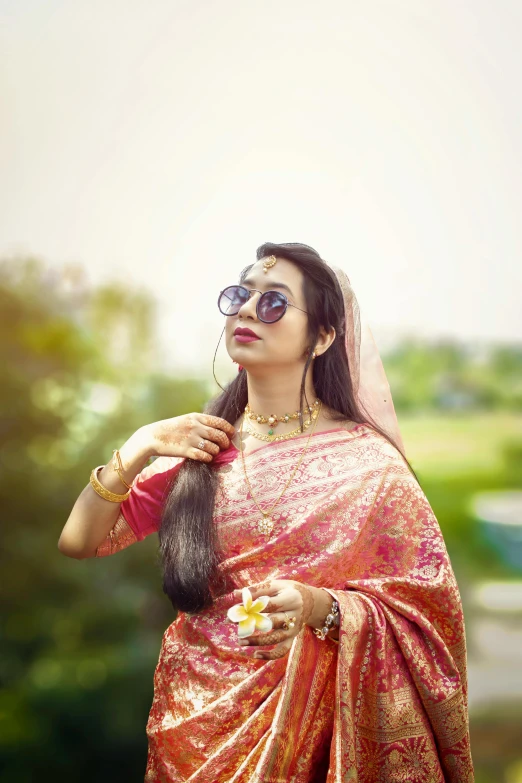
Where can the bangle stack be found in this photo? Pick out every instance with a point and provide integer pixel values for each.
(102, 491)
(331, 620)
(118, 467)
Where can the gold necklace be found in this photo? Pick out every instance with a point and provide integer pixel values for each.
(270, 438)
(266, 523)
(273, 419)
(285, 436)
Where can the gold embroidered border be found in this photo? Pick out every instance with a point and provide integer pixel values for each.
(450, 719)
(401, 715)
(272, 759)
(458, 650)
(119, 537)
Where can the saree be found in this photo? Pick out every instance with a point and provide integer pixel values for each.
(388, 702)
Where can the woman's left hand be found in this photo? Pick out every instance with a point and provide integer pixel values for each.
(298, 600)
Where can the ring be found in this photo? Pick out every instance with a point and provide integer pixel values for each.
(288, 623)
(201, 444)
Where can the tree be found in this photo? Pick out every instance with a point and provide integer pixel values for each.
(82, 637)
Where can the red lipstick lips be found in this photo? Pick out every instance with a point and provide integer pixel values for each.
(244, 335)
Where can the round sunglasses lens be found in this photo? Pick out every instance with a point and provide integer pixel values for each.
(232, 299)
(271, 306)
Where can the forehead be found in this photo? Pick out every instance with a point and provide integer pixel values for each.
(282, 271)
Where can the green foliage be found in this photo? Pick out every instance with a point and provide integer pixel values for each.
(448, 376)
(76, 669)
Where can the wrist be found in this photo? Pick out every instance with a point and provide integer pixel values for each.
(140, 446)
(322, 605)
(136, 452)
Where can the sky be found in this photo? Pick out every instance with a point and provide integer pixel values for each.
(159, 143)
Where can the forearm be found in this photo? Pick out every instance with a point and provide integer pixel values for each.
(92, 517)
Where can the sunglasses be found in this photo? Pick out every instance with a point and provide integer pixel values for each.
(270, 307)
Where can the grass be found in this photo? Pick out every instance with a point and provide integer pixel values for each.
(448, 445)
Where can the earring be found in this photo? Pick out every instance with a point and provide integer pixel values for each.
(314, 355)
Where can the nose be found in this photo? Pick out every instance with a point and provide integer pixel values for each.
(248, 310)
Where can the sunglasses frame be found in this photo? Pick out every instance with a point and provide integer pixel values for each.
(257, 291)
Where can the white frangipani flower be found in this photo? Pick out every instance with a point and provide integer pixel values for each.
(249, 614)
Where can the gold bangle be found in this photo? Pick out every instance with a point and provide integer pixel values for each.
(118, 467)
(102, 491)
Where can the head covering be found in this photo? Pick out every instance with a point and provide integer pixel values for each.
(369, 381)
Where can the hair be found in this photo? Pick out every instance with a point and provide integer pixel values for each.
(189, 548)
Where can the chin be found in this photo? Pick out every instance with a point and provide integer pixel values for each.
(242, 355)
(244, 361)
(248, 362)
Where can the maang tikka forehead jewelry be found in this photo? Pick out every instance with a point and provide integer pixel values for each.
(269, 263)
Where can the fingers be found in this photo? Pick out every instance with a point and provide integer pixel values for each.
(282, 599)
(194, 435)
(216, 436)
(278, 652)
(200, 455)
(270, 587)
(211, 448)
(264, 588)
(274, 605)
(280, 620)
(204, 449)
(283, 595)
(218, 423)
(263, 639)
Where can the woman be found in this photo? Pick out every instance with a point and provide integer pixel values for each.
(345, 658)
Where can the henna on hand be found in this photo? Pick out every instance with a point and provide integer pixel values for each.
(179, 436)
(259, 589)
(308, 602)
(218, 423)
(278, 652)
(272, 637)
(278, 607)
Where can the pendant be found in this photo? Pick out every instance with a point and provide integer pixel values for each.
(266, 524)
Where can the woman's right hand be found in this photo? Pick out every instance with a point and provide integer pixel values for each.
(180, 436)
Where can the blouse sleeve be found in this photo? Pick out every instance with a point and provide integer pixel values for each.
(140, 515)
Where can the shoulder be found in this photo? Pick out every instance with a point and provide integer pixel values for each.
(371, 450)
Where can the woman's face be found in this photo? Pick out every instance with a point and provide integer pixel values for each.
(282, 343)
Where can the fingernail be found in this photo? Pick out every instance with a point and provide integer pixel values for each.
(258, 655)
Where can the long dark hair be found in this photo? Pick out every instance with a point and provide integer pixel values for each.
(189, 549)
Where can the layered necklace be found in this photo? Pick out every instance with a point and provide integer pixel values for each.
(266, 523)
(272, 420)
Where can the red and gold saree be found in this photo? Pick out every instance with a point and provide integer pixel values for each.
(389, 701)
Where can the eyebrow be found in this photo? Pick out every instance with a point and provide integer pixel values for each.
(251, 282)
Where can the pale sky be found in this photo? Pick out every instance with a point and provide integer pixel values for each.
(160, 143)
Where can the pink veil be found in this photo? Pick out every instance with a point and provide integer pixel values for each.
(369, 380)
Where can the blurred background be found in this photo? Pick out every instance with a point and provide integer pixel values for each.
(146, 150)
